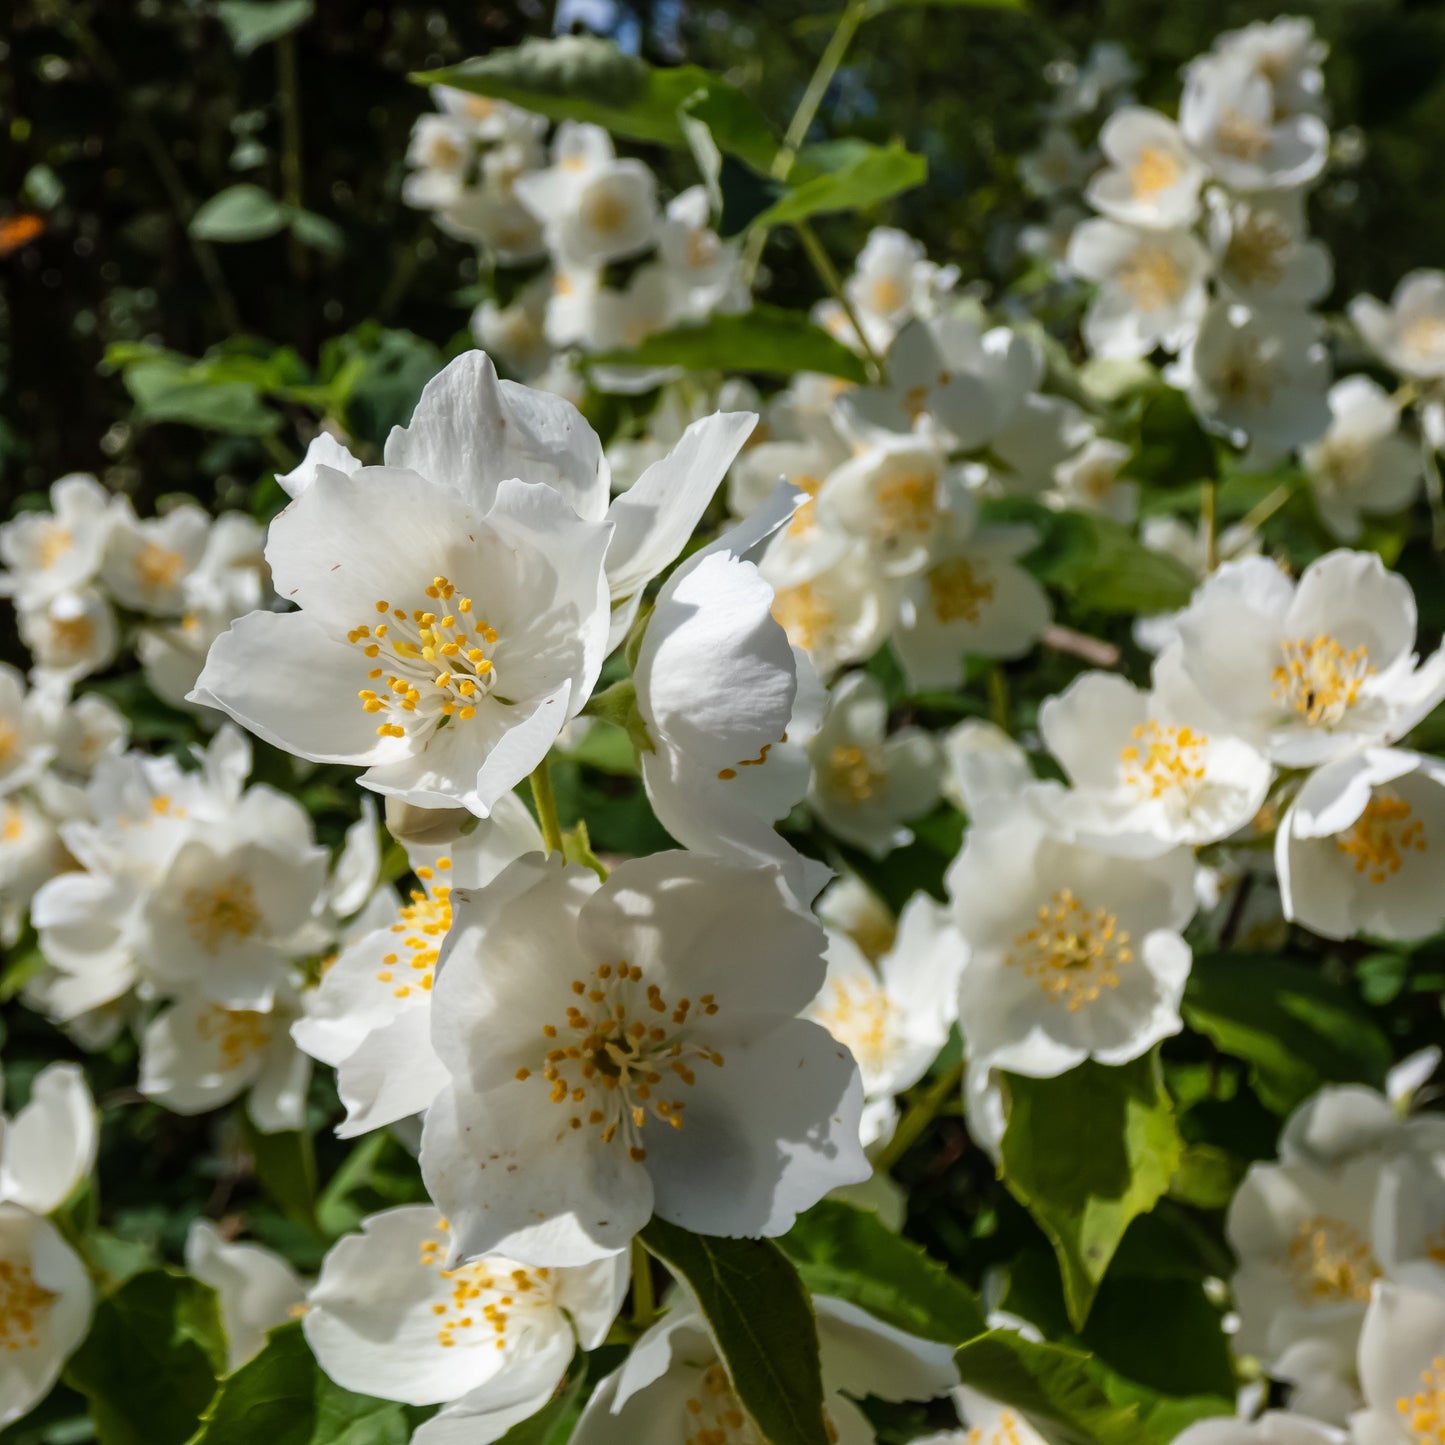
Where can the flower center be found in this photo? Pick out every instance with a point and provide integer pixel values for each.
(802, 614)
(1239, 137)
(907, 503)
(1072, 952)
(1151, 278)
(238, 1034)
(1341, 466)
(222, 914)
(621, 1060)
(24, 1306)
(805, 518)
(157, 567)
(481, 1296)
(1423, 336)
(957, 590)
(605, 212)
(701, 249)
(854, 773)
(424, 922)
(1329, 1262)
(1256, 250)
(860, 1016)
(887, 294)
(1154, 170)
(437, 668)
(9, 740)
(1319, 679)
(1423, 1413)
(445, 154)
(1162, 758)
(12, 830)
(55, 542)
(1381, 837)
(71, 635)
(1006, 1430)
(714, 1416)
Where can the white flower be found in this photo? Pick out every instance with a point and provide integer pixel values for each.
(30, 856)
(1275, 1427)
(440, 151)
(893, 281)
(489, 120)
(973, 599)
(1402, 1366)
(197, 1055)
(147, 562)
(46, 554)
(45, 1307)
(986, 768)
(26, 731)
(1263, 254)
(839, 615)
(848, 906)
(70, 635)
(894, 1018)
(1058, 164)
(48, 1148)
(1073, 953)
(1409, 333)
(1151, 286)
(371, 1017)
(255, 1288)
(516, 334)
(491, 1339)
(593, 207)
(1090, 481)
(1343, 1120)
(1353, 853)
(1306, 1240)
(986, 1423)
(1147, 774)
(729, 705)
(675, 1386)
(703, 269)
(1362, 464)
(1258, 377)
(1036, 439)
(866, 782)
(627, 1048)
(1287, 53)
(1152, 179)
(1310, 671)
(1227, 114)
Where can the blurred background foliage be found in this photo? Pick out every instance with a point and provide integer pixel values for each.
(124, 116)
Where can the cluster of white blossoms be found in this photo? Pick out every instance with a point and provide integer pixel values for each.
(570, 211)
(768, 603)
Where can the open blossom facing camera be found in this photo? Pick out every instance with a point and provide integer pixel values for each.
(1313, 670)
(490, 1339)
(627, 1048)
(1073, 955)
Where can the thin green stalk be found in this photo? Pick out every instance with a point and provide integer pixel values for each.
(1259, 514)
(644, 1298)
(998, 701)
(828, 274)
(920, 1114)
(546, 801)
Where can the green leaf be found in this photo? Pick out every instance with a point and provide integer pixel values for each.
(762, 1321)
(163, 391)
(766, 339)
(849, 1253)
(281, 1397)
(239, 213)
(1207, 1177)
(253, 23)
(149, 1364)
(583, 77)
(315, 231)
(1173, 449)
(849, 176)
(1294, 1027)
(1087, 1153)
(1072, 1398)
(286, 1167)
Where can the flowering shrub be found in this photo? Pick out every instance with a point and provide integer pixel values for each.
(854, 873)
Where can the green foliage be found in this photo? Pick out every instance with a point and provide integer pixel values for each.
(1173, 450)
(581, 77)
(281, 1397)
(1294, 1028)
(1087, 1153)
(254, 23)
(149, 1366)
(245, 212)
(762, 1321)
(846, 176)
(849, 1253)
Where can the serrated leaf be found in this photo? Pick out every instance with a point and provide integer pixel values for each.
(762, 1321)
(1086, 1153)
(282, 1397)
(1294, 1027)
(586, 78)
(849, 1253)
(850, 177)
(239, 213)
(766, 339)
(149, 1365)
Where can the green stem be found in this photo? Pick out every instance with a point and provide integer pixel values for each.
(998, 707)
(828, 274)
(546, 801)
(1206, 521)
(920, 1115)
(644, 1299)
(289, 92)
(1258, 515)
